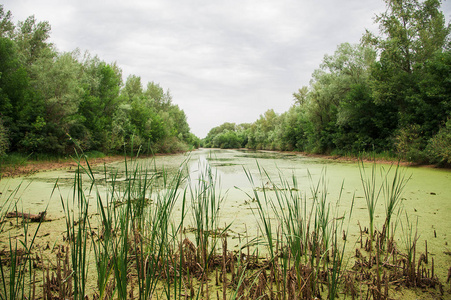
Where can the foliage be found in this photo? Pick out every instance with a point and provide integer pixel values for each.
(3, 140)
(390, 94)
(439, 147)
(51, 101)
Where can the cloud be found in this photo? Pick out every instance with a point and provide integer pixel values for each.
(222, 60)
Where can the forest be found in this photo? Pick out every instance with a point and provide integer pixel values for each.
(52, 102)
(390, 95)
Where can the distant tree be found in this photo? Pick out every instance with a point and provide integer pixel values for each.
(209, 139)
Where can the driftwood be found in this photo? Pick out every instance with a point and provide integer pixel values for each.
(33, 218)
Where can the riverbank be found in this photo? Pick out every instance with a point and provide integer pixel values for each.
(32, 167)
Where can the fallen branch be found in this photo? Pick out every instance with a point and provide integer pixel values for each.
(33, 218)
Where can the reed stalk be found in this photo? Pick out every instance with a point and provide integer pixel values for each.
(393, 190)
(372, 193)
(410, 239)
(77, 228)
(16, 278)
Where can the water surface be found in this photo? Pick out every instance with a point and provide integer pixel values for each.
(427, 196)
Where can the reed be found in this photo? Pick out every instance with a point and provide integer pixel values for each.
(410, 239)
(304, 242)
(77, 232)
(16, 273)
(372, 193)
(393, 190)
(142, 250)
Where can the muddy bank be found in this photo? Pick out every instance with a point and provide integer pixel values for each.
(32, 167)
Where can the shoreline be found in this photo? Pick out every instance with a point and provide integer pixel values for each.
(32, 167)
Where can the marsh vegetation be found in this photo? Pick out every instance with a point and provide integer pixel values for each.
(249, 230)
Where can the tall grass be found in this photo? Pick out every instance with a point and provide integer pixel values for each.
(410, 238)
(302, 237)
(372, 193)
(16, 275)
(393, 189)
(140, 248)
(77, 229)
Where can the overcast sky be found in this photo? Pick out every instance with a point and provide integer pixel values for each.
(223, 61)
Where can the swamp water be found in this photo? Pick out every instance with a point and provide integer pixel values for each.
(426, 200)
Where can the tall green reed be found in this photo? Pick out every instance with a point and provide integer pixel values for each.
(138, 233)
(16, 276)
(372, 193)
(206, 200)
(299, 234)
(409, 239)
(76, 211)
(393, 190)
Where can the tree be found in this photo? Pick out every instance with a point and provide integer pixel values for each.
(160, 100)
(412, 34)
(17, 109)
(330, 86)
(133, 88)
(6, 25)
(58, 84)
(102, 83)
(439, 147)
(31, 38)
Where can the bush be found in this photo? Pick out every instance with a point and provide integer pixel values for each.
(169, 145)
(4, 142)
(409, 143)
(439, 146)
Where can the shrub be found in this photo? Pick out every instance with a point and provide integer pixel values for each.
(439, 146)
(4, 142)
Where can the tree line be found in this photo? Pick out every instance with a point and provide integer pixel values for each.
(390, 93)
(53, 102)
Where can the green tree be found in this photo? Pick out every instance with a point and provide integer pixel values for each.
(102, 83)
(410, 33)
(330, 86)
(17, 108)
(439, 147)
(31, 37)
(58, 84)
(209, 139)
(161, 101)
(6, 25)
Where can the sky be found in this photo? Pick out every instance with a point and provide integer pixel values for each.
(222, 61)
